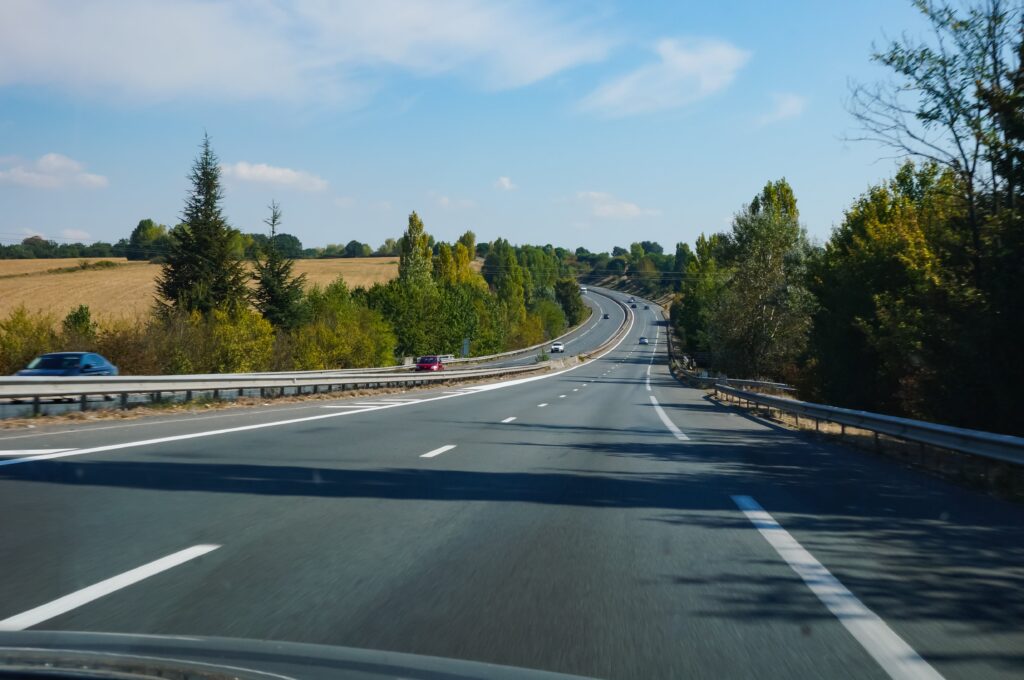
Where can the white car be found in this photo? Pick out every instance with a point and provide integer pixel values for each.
(557, 347)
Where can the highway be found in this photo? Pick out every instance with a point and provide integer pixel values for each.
(601, 521)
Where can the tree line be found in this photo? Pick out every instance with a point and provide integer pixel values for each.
(215, 313)
(914, 304)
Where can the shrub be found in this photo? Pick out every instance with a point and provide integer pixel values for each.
(78, 330)
(23, 336)
(239, 342)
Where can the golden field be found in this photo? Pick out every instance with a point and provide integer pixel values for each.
(128, 289)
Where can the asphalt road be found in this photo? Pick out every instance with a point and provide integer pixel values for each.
(573, 526)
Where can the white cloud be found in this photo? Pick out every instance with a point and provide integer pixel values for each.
(50, 171)
(687, 70)
(75, 234)
(784, 105)
(606, 206)
(269, 174)
(448, 203)
(316, 51)
(505, 184)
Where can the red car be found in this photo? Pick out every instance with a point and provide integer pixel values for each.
(429, 363)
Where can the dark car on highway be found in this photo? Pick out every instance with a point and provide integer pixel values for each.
(429, 363)
(68, 364)
(606, 316)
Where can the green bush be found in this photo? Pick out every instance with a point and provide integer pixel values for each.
(78, 330)
(239, 342)
(23, 336)
(551, 316)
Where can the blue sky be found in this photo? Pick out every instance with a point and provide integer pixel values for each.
(592, 124)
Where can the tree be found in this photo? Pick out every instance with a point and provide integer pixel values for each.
(757, 323)
(79, 329)
(356, 249)
(415, 263)
(619, 252)
(652, 247)
(148, 239)
(567, 292)
(444, 265)
(948, 103)
(389, 248)
(502, 271)
(279, 293)
(468, 239)
(288, 245)
(202, 272)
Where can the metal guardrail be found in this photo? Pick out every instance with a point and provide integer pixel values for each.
(1002, 447)
(779, 387)
(37, 389)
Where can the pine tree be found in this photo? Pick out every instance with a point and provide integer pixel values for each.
(278, 295)
(202, 272)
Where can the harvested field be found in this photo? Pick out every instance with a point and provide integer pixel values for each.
(127, 290)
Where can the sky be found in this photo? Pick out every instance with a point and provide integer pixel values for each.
(588, 124)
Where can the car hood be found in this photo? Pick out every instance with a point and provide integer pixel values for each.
(45, 654)
(46, 371)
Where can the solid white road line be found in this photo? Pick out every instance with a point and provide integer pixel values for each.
(368, 407)
(438, 451)
(647, 383)
(541, 405)
(668, 423)
(94, 592)
(30, 452)
(509, 419)
(879, 640)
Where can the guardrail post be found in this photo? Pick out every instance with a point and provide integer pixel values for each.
(124, 400)
(83, 401)
(36, 406)
(216, 394)
(241, 392)
(263, 393)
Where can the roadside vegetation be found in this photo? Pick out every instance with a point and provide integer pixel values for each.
(214, 312)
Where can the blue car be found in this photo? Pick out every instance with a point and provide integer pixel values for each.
(69, 364)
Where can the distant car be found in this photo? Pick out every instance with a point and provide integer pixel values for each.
(429, 363)
(633, 306)
(647, 306)
(583, 289)
(632, 299)
(445, 358)
(606, 316)
(557, 347)
(644, 340)
(66, 364)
